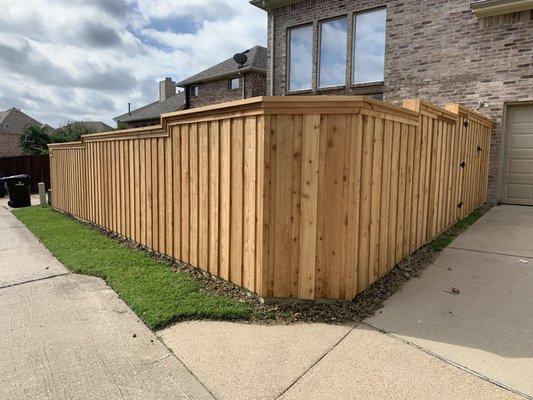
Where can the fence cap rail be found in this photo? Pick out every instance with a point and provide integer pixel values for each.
(464, 111)
(425, 107)
(410, 114)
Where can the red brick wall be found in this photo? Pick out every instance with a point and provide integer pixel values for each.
(9, 145)
(436, 50)
(215, 92)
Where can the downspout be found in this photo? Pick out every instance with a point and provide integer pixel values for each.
(241, 75)
(187, 98)
(271, 21)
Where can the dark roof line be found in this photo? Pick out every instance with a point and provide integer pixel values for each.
(154, 110)
(257, 61)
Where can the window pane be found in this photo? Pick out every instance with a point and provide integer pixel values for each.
(333, 52)
(234, 83)
(369, 53)
(301, 58)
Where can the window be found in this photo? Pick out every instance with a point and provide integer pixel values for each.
(234, 83)
(193, 91)
(333, 43)
(300, 58)
(369, 46)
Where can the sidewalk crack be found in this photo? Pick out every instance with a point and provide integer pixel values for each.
(34, 280)
(317, 361)
(490, 252)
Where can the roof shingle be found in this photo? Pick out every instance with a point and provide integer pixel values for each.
(257, 60)
(154, 110)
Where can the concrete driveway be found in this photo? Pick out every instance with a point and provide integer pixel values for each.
(488, 327)
(426, 343)
(67, 336)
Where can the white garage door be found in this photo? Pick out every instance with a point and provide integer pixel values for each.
(517, 179)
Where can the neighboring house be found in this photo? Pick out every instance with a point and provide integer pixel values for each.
(89, 126)
(441, 51)
(150, 114)
(13, 122)
(228, 80)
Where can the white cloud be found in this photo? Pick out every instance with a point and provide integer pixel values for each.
(78, 60)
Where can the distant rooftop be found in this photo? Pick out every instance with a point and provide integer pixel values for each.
(15, 121)
(257, 61)
(154, 110)
(93, 126)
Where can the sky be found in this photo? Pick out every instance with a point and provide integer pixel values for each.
(84, 60)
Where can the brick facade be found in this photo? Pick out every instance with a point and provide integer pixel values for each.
(436, 50)
(218, 91)
(10, 145)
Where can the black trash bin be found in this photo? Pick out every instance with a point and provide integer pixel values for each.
(2, 186)
(18, 187)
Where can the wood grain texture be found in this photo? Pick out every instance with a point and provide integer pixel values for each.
(290, 197)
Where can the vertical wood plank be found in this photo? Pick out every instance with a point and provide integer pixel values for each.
(214, 197)
(237, 148)
(176, 189)
(193, 194)
(309, 206)
(203, 196)
(366, 203)
(282, 228)
(250, 178)
(375, 214)
(225, 198)
(185, 195)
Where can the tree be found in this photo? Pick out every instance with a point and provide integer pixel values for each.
(70, 131)
(35, 140)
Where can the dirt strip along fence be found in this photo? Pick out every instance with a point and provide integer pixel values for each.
(303, 197)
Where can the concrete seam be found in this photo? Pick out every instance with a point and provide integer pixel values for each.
(172, 354)
(12, 227)
(316, 361)
(448, 361)
(489, 252)
(34, 280)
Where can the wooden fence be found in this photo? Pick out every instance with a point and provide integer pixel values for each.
(37, 167)
(307, 197)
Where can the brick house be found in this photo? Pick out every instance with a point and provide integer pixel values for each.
(439, 50)
(225, 81)
(150, 114)
(13, 122)
(228, 80)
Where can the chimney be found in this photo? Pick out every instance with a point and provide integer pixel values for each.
(167, 89)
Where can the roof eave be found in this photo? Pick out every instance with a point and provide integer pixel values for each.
(490, 8)
(268, 5)
(221, 76)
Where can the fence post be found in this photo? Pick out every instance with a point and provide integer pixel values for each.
(42, 194)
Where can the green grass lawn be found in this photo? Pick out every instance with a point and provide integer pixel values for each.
(156, 293)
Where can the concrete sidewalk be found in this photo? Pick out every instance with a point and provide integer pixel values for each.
(426, 343)
(67, 336)
(487, 327)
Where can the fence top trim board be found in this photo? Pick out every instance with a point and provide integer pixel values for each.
(409, 114)
(463, 111)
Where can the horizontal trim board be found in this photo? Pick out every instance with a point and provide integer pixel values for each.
(490, 8)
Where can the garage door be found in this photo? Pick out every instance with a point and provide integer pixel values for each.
(517, 179)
